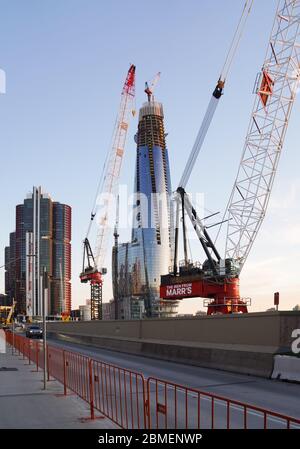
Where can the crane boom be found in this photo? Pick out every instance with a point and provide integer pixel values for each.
(217, 278)
(114, 161)
(93, 262)
(216, 95)
(276, 92)
(210, 112)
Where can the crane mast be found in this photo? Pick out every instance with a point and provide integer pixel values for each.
(276, 91)
(93, 262)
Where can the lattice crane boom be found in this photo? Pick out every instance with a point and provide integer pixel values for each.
(114, 162)
(93, 262)
(277, 88)
(217, 279)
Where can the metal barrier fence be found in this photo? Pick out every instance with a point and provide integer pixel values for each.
(119, 393)
(130, 401)
(173, 406)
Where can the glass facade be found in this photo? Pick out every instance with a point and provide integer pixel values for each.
(50, 222)
(141, 261)
(61, 278)
(10, 268)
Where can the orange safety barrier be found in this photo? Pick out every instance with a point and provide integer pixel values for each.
(173, 406)
(130, 401)
(119, 394)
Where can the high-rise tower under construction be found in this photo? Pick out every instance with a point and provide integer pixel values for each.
(137, 265)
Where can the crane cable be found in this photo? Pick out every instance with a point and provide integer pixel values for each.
(236, 39)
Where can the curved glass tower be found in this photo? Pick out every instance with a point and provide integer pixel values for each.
(141, 262)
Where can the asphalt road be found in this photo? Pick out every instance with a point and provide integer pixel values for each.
(277, 396)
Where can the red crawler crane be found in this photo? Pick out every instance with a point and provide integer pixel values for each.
(218, 278)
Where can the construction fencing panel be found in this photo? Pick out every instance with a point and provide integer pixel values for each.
(76, 374)
(132, 402)
(119, 394)
(55, 364)
(173, 406)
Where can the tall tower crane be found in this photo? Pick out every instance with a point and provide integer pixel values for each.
(94, 262)
(218, 278)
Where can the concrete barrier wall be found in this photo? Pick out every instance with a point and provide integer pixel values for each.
(259, 329)
(241, 343)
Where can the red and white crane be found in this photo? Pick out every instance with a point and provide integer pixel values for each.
(218, 278)
(94, 261)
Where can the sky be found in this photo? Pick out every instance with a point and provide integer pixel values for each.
(65, 62)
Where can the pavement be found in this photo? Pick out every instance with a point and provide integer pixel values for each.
(274, 395)
(25, 405)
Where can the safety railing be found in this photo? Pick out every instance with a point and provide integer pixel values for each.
(132, 402)
(173, 406)
(119, 394)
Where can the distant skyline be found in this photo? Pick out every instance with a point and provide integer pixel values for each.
(65, 63)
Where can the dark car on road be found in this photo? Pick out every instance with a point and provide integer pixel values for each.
(34, 332)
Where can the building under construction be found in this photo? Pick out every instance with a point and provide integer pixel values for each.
(137, 265)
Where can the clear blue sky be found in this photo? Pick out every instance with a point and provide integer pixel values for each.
(65, 62)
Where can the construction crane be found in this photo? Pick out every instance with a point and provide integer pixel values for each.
(94, 262)
(206, 122)
(150, 89)
(216, 95)
(8, 312)
(218, 278)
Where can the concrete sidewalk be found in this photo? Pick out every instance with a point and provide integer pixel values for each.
(24, 404)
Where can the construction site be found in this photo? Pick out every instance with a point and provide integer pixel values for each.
(114, 354)
(149, 277)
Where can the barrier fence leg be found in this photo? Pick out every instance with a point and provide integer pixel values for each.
(91, 390)
(147, 405)
(37, 355)
(29, 352)
(48, 364)
(12, 344)
(65, 373)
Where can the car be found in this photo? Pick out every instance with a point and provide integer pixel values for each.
(34, 331)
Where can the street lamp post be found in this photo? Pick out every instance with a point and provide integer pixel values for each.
(44, 301)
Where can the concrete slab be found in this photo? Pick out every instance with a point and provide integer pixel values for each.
(25, 405)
